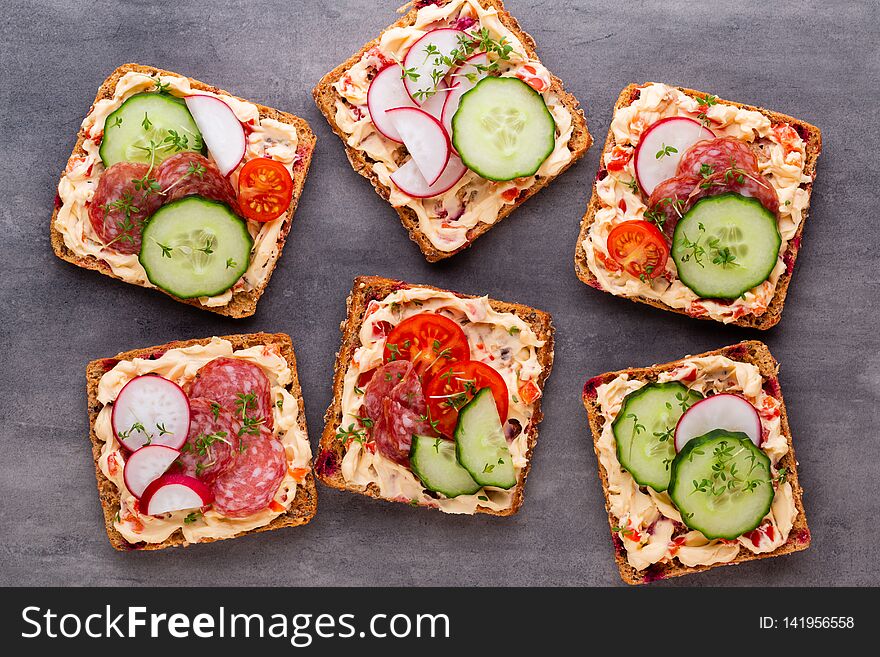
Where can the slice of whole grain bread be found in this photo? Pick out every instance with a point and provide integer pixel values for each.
(751, 351)
(325, 98)
(244, 302)
(809, 133)
(367, 288)
(304, 505)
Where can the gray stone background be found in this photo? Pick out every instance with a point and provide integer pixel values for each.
(817, 61)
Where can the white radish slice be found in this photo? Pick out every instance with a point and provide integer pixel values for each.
(434, 105)
(387, 91)
(174, 492)
(150, 409)
(461, 84)
(220, 129)
(669, 139)
(146, 465)
(725, 411)
(424, 138)
(425, 69)
(411, 182)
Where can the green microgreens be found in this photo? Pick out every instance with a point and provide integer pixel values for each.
(192, 517)
(665, 150)
(146, 123)
(352, 433)
(726, 478)
(161, 87)
(166, 250)
(215, 410)
(116, 122)
(207, 249)
(704, 104)
(230, 263)
(513, 330)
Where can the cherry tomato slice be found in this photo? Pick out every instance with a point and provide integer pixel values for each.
(639, 247)
(447, 392)
(429, 341)
(264, 189)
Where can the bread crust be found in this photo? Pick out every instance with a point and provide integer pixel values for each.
(304, 505)
(813, 138)
(325, 98)
(750, 351)
(367, 288)
(244, 302)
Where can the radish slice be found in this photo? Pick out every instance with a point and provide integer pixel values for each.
(220, 129)
(146, 465)
(461, 84)
(678, 133)
(150, 409)
(725, 411)
(425, 69)
(411, 182)
(175, 492)
(387, 91)
(424, 138)
(435, 104)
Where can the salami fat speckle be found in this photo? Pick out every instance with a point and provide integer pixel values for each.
(119, 209)
(190, 173)
(208, 450)
(239, 386)
(250, 483)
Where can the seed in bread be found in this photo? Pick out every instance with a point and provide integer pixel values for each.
(447, 223)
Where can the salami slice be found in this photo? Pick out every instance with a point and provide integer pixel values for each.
(720, 153)
(385, 379)
(252, 480)
(669, 200)
(208, 451)
(189, 173)
(239, 386)
(120, 207)
(750, 184)
(393, 432)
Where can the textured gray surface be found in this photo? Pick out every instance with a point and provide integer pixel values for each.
(817, 62)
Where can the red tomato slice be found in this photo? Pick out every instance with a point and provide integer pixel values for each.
(429, 341)
(639, 247)
(447, 392)
(264, 189)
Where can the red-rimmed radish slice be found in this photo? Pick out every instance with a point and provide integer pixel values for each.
(461, 84)
(387, 91)
(220, 129)
(150, 409)
(424, 68)
(146, 465)
(725, 411)
(411, 182)
(661, 147)
(424, 138)
(174, 492)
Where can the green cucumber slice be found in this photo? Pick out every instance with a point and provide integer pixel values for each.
(480, 444)
(502, 129)
(725, 246)
(433, 461)
(148, 128)
(721, 484)
(194, 247)
(644, 431)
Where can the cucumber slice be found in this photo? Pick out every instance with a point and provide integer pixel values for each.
(721, 484)
(502, 129)
(725, 245)
(148, 128)
(194, 247)
(644, 431)
(433, 461)
(480, 445)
